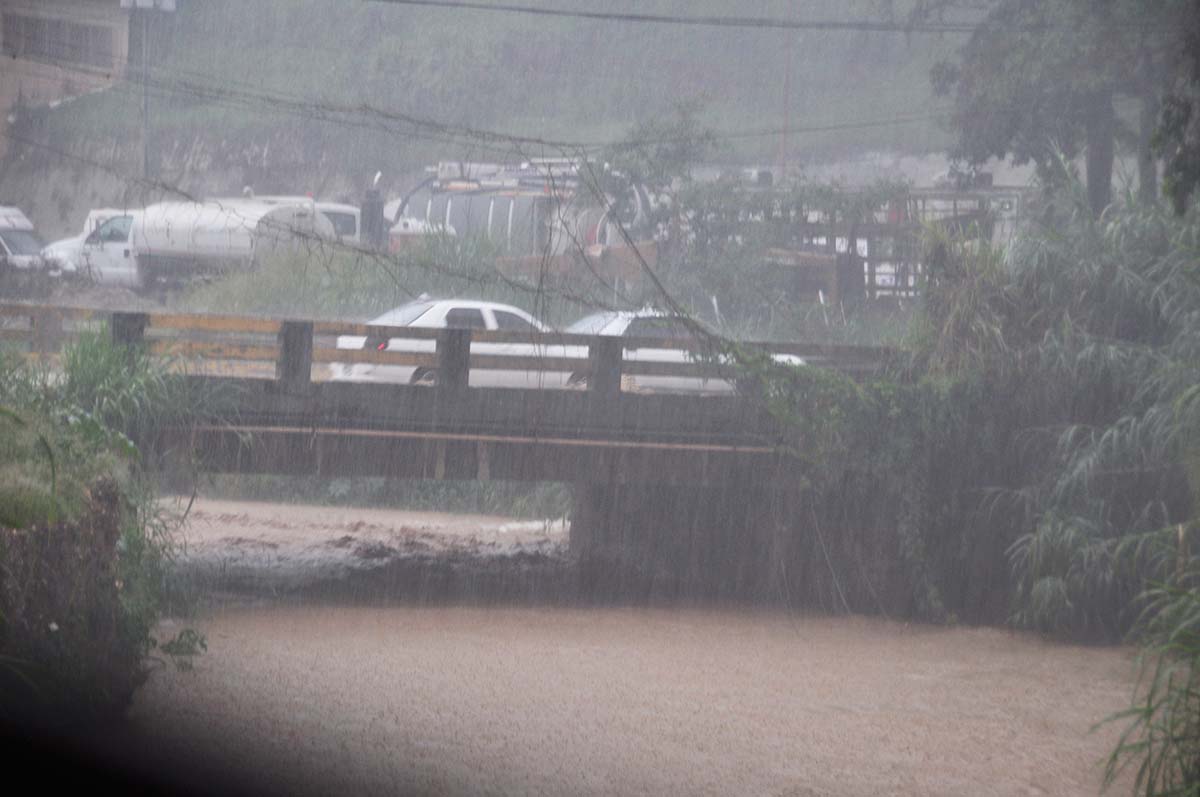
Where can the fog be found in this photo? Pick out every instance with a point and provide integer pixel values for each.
(426, 396)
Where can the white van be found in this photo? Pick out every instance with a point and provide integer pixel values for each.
(20, 246)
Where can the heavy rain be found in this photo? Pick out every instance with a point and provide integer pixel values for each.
(633, 397)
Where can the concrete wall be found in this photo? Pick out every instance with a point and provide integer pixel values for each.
(56, 49)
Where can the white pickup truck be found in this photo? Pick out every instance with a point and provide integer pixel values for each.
(171, 241)
(66, 255)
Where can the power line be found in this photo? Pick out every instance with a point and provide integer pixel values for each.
(768, 23)
(366, 116)
(752, 23)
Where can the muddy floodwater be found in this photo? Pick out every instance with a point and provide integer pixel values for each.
(432, 697)
(452, 700)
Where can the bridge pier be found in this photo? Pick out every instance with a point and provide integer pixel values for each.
(723, 541)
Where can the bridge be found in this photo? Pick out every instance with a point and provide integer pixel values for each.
(280, 411)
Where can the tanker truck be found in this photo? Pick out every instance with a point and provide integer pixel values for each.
(172, 243)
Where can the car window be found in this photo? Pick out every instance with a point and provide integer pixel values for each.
(465, 318)
(667, 328)
(511, 322)
(21, 242)
(344, 224)
(114, 230)
(591, 324)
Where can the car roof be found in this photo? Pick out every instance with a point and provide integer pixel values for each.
(603, 319)
(475, 304)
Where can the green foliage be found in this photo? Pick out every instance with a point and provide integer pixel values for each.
(1177, 138)
(1161, 738)
(184, 647)
(52, 450)
(1038, 78)
(964, 306)
(119, 391)
(566, 79)
(1087, 332)
(1043, 415)
(75, 491)
(346, 284)
(716, 263)
(656, 153)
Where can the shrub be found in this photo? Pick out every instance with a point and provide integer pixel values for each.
(84, 545)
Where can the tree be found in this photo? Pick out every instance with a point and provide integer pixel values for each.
(1039, 78)
(1177, 138)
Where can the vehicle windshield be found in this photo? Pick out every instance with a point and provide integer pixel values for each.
(344, 224)
(591, 324)
(665, 327)
(115, 230)
(20, 242)
(403, 316)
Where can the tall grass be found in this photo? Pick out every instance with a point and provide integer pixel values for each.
(1088, 333)
(339, 282)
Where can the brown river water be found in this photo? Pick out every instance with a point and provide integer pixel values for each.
(301, 696)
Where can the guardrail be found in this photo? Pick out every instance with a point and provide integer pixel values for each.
(286, 350)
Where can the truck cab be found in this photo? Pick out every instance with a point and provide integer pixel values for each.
(66, 255)
(108, 254)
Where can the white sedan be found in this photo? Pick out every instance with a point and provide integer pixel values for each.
(448, 313)
(458, 313)
(651, 324)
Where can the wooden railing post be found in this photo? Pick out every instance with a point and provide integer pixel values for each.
(293, 369)
(604, 358)
(454, 360)
(128, 329)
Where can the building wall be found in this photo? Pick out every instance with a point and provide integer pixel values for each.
(56, 49)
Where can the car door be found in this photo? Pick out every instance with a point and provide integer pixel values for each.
(439, 316)
(524, 374)
(108, 253)
(665, 328)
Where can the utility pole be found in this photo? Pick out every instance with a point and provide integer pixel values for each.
(139, 11)
(787, 105)
(145, 15)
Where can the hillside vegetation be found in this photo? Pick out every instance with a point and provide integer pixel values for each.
(242, 68)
